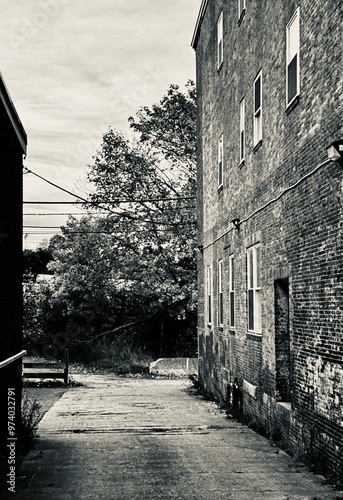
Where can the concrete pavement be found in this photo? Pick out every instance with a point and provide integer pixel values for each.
(141, 439)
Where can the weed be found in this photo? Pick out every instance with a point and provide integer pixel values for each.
(31, 414)
(117, 357)
(74, 383)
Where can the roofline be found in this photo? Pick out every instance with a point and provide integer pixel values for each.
(201, 15)
(6, 100)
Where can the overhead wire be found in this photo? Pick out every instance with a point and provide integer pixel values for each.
(270, 202)
(70, 231)
(81, 200)
(63, 213)
(84, 200)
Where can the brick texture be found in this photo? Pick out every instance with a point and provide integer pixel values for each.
(291, 374)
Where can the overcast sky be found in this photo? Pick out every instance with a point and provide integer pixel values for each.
(75, 67)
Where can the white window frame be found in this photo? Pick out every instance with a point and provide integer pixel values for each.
(220, 40)
(220, 161)
(232, 291)
(241, 8)
(293, 54)
(254, 289)
(220, 293)
(242, 130)
(209, 295)
(258, 112)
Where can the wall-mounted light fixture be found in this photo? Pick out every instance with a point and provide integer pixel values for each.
(236, 222)
(335, 150)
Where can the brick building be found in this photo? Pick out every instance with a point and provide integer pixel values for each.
(269, 88)
(12, 148)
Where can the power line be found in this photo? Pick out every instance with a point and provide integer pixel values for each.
(80, 199)
(70, 231)
(132, 200)
(54, 202)
(270, 202)
(64, 213)
(153, 222)
(84, 232)
(53, 184)
(109, 202)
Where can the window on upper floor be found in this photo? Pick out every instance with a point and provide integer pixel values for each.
(241, 10)
(254, 289)
(209, 294)
(258, 109)
(220, 293)
(292, 56)
(220, 49)
(242, 131)
(232, 291)
(220, 161)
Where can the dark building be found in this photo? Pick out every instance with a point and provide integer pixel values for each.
(13, 142)
(269, 86)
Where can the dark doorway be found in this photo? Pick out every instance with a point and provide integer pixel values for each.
(282, 341)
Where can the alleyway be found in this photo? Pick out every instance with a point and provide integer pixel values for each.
(132, 439)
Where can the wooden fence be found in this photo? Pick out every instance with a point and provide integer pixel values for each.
(48, 370)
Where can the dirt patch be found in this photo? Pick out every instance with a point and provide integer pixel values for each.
(46, 397)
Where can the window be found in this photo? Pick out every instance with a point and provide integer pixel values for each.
(254, 289)
(220, 294)
(258, 109)
(242, 131)
(220, 52)
(292, 70)
(209, 293)
(232, 291)
(220, 161)
(241, 10)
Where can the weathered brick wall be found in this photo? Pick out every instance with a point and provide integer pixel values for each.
(300, 235)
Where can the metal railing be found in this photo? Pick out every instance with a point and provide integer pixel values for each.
(10, 360)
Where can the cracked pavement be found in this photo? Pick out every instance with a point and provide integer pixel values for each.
(145, 439)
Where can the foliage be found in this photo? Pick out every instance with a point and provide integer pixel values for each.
(119, 356)
(35, 262)
(136, 259)
(169, 128)
(37, 315)
(148, 188)
(30, 416)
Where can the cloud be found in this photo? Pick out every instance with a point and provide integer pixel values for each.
(82, 66)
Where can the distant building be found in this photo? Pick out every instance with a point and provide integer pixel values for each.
(269, 87)
(44, 278)
(13, 142)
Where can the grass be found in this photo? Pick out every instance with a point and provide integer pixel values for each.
(31, 414)
(118, 358)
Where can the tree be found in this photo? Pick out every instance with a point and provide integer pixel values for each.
(138, 255)
(169, 128)
(148, 187)
(35, 262)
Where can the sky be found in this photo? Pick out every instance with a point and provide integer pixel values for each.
(76, 67)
